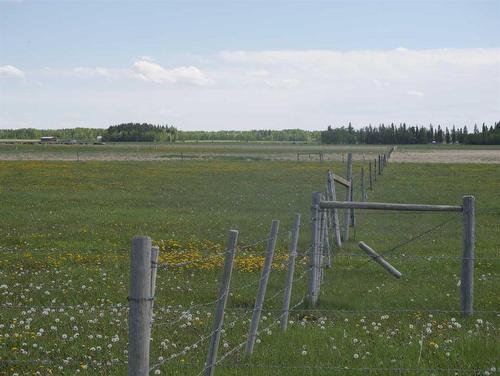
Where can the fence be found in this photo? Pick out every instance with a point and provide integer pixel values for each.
(142, 293)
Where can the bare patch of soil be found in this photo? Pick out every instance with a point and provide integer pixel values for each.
(446, 156)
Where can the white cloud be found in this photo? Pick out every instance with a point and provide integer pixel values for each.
(9, 71)
(415, 93)
(152, 72)
(86, 72)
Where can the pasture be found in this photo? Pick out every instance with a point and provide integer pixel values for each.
(66, 227)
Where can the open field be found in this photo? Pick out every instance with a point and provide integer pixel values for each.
(247, 151)
(181, 150)
(65, 230)
(448, 155)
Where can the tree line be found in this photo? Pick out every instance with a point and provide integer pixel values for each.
(382, 134)
(403, 134)
(291, 135)
(140, 133)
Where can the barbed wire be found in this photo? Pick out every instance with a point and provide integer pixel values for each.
(281, 291)
(65, 361)
(351, 369)
(240, 345)
(183, 351)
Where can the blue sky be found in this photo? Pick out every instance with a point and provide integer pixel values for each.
(248, 64)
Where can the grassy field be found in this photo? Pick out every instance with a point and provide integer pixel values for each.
(65, 231)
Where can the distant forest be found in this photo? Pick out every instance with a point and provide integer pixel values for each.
(404, 134)
(382, 134)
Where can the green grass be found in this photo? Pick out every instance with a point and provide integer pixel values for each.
(65, 229)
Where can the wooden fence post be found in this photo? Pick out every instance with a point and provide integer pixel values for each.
(334, 217)
(326, 240)
(154, 268)
(351, 198)
(467, 278)
(266, 271)
(379, 165)
(363, 191)
(370, 173)
(375, 170)
(221, 305)
(289, 274)
(314, 251)
(347, 213)
(140, 300)
(379, 259)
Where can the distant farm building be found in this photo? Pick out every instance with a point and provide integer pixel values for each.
(48, 139)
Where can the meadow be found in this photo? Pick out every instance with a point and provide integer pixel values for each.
(66, 227)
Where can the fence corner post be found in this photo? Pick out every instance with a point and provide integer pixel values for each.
(468, 238)
(314, 252)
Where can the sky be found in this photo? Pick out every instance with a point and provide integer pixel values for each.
(240, 65)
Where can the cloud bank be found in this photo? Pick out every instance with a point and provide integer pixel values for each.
(308, 89)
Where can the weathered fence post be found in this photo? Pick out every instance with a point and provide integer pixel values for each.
(154, 268)
(326, 240)
(261, 293)
(379, 165)
(347, 213)
(351, 188)
(312, 294)
(289, 274)
(379, 259)
(375, 169)
(363, 191)
(140, 300)
(221, 305)
(467, 278)
(334, 217)
(370, 173)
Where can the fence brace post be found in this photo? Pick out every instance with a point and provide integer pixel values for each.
(347, 213)
(334, 216)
